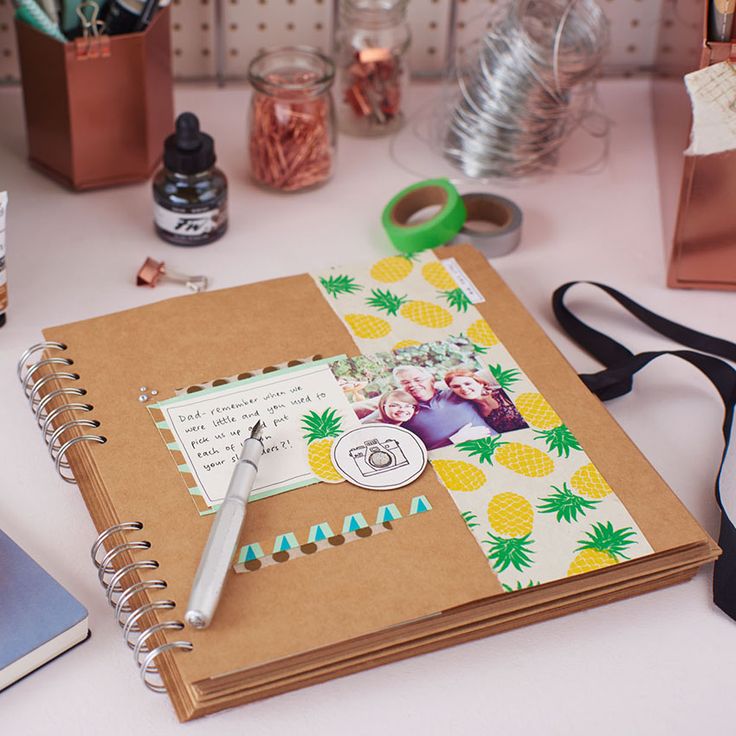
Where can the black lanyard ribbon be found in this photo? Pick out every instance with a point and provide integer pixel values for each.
(617, 379)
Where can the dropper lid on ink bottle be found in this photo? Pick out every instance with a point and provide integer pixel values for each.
(189, 151)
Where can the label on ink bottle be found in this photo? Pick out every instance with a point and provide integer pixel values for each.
(191, 227)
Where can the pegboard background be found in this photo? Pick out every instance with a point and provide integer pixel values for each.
(214, 38)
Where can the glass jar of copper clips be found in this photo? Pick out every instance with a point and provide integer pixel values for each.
(291, 138)
(372, 42)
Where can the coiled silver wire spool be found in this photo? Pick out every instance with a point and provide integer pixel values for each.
(530, 86)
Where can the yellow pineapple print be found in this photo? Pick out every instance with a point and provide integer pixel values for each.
(516, 456)
(539, 414)
(426, 314)
(320, 461)
(588, 481)
(457, 475)
(589, 560)
(406, 344)
(603, 546)
(368, 326)
(481, 334)
(437, 275)
(321, 430)
(510, 514)
(525, 460)
(536, 411)
(392, 269)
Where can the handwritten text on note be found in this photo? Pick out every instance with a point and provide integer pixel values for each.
(211, 426)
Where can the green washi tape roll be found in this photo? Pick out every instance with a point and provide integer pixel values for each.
(439, 229)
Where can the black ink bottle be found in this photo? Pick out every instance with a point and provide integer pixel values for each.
(189, 192)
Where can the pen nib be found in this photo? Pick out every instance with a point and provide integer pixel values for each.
(257, 431)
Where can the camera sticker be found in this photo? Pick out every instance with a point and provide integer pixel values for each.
(379, 456)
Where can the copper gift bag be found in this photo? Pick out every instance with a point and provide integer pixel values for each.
(97, 109)
(703, 254)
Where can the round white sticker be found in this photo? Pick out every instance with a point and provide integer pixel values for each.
(379, 456)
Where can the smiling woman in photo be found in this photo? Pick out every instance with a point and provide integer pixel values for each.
(489, 398)
(397, 407)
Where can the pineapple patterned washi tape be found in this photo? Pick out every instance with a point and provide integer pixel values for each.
(537, 516)
(532, 498)
(399, 301)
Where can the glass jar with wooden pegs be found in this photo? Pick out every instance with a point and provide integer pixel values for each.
(372, 42)
(291, 138)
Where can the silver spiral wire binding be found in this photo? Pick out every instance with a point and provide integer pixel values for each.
(51, 395)
(48, 428)
(102, 537)
(33, 397)
(113, 586)
(106, 567)
(122, 605)
(52, 441)
(39, 364)
(102, 560)
(131, 625)
(147, 665)
(70, 443)
(140, 645)
(51, 345)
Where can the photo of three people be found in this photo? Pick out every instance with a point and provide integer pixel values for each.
(437, 391)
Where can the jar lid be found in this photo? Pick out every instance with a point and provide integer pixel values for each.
(189, 150)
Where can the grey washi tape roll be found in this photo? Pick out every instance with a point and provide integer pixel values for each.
(493, 224)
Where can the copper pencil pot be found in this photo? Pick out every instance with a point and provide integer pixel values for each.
(291, 127)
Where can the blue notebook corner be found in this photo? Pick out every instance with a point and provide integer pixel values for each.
(39, 619)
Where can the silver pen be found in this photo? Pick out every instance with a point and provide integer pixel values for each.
(223, 538)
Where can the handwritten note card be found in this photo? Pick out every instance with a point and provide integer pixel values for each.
(209, 428)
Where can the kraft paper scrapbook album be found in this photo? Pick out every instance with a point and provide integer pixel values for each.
(534, 502)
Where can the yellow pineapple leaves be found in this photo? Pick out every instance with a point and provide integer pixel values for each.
(510, 514)
(426, 314)
(457, 475)
(367, 326)
(392, 269)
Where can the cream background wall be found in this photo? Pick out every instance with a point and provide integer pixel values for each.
(646, 35)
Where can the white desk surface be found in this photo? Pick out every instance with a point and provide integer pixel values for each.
(656, 664)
